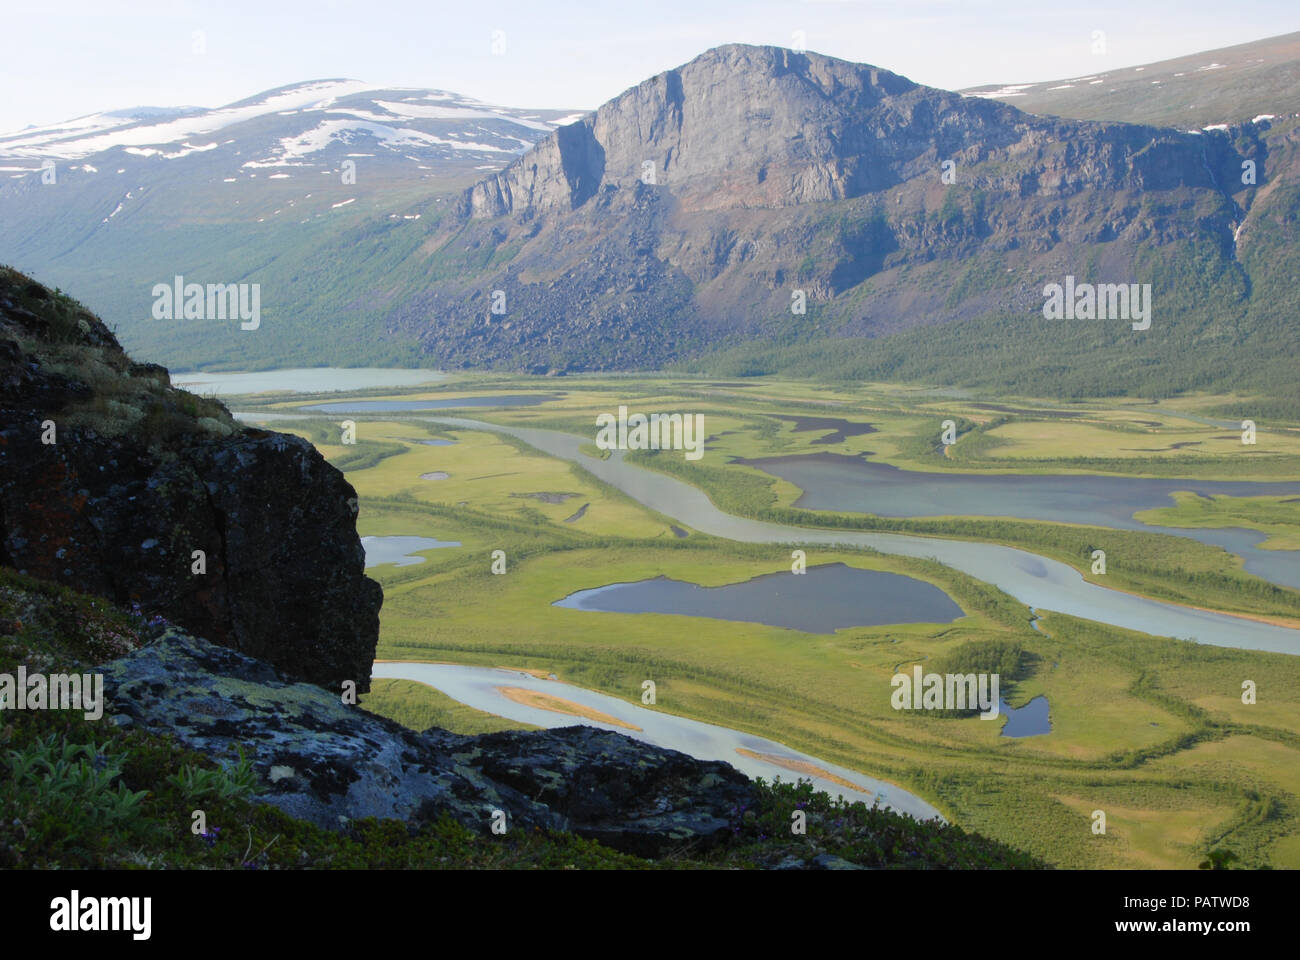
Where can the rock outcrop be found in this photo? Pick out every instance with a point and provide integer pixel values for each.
(115, 483)
(321, 760)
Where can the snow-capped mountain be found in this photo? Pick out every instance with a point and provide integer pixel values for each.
(302, 125)
(320, 191)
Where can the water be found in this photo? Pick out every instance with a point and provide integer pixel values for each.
(1029, 721)
(306, 380)
(1028, 577)
(479, 687)
(395, 406)
(839, 430)
(265, 416)
(824, 599)
(400, 551)
(849, 484)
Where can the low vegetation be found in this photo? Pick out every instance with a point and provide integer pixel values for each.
(1140, 725)
(78, 794)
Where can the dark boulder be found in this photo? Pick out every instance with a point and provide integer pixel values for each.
(623, 792)
(115, 483)
(322, 760)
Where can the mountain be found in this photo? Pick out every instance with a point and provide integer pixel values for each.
(779, 174)
(685, 221)
(296, 130)
(1231, 85)
(259, 187)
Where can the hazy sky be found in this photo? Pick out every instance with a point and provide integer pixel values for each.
(78, 57)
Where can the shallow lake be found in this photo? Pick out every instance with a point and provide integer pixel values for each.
(824, 599)
(480, 687)
(850, 484)
(304, 380)
(1032, 579)
(400, 551)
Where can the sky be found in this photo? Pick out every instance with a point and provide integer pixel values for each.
(78, 57)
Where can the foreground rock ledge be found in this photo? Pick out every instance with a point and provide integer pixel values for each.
(111, 480)
(321, 760)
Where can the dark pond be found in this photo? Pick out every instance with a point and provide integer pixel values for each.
(839, 429)
(825, 599)
(851, 484)
(1029, 721)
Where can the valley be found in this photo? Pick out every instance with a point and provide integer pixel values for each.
(1137, 718)
(771, 461)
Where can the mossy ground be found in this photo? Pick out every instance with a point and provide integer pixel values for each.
(53, 629)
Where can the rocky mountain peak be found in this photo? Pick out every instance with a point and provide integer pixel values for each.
(738, 126)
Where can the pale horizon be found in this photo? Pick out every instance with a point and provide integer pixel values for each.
(564, 56)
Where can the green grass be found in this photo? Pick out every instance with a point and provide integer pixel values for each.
(1132, 716)
(829, 695)
(419, 706)
(1279, 517)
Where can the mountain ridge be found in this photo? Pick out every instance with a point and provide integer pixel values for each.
(1226, 85)
(679, 222)
(775, 175)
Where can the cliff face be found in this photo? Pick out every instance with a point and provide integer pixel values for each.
(683, 214)
(736, 127)
(117, 484)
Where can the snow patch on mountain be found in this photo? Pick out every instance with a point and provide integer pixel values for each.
(69, 143)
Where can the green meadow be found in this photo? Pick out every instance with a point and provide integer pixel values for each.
(1151, 731)
(1279, 517)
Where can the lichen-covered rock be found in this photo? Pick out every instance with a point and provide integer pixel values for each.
(325, 761)
(116, 484)
(623, 792)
